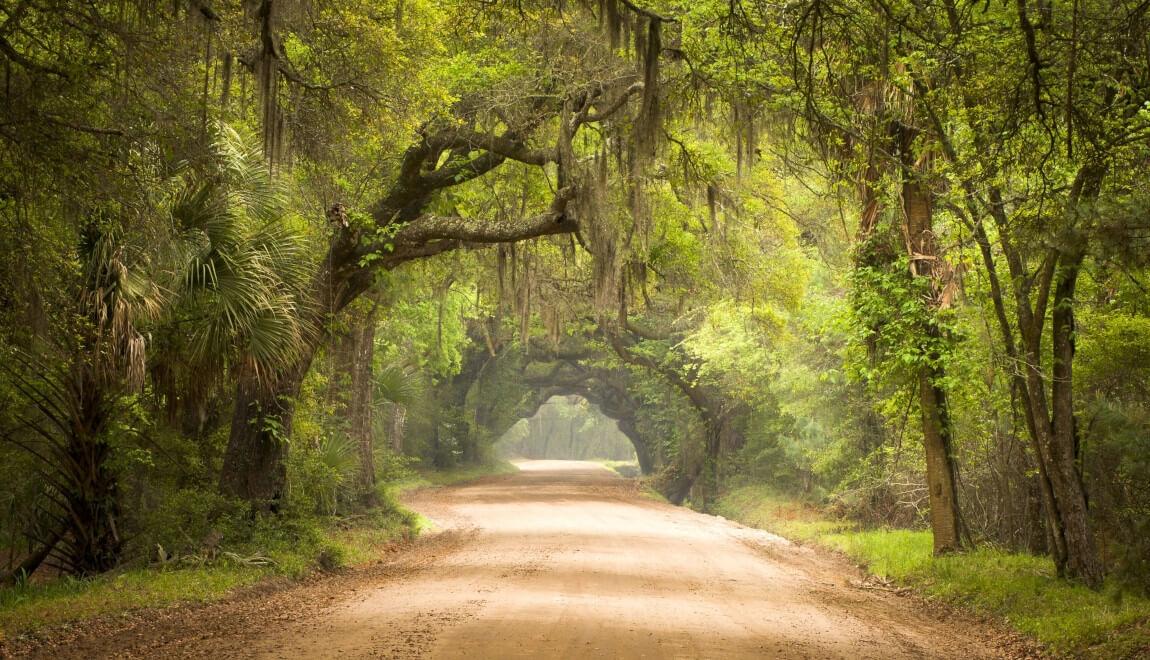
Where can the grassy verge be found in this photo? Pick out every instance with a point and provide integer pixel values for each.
(288, 548)
(625, 469)
(426, 478)
(1022, 589)
(429, 478)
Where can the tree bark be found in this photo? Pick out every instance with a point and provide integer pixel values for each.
(1082, 560)
(945, 515)
(945, 519)
(254, 468)
(361, 402)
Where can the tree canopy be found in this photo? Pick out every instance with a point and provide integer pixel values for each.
(889, 256)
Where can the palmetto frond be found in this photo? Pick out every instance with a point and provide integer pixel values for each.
(399, 384)
(118, 297)
(238, 268)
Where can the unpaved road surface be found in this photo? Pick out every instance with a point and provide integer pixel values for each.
(565, 560)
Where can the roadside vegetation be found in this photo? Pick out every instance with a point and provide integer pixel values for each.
(276, 552)
(1019, 588)
(289, 551)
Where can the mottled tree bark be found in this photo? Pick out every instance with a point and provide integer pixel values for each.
(254, 468)
(941, 481)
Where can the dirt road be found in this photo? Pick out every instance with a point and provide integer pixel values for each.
(566, 560)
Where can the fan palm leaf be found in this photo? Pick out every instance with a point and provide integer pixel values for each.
(238, 268)
(399, 384)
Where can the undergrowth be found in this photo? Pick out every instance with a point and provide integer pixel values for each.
(290, 548)
(1068, 618)
(412, 479)
(625, 469)
(244, 553)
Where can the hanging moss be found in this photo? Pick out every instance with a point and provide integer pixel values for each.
(626, 30)
(613, 23)
(641, 41)
(226, 75)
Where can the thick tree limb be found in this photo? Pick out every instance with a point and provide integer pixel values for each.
(506, 145)
(30, 563)
(431, 235)
(643, 11)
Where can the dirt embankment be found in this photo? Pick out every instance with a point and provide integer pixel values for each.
(563, 559)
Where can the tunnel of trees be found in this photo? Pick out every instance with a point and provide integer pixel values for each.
(260, 255)
(568, 427)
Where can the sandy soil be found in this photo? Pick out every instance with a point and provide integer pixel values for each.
(563, 559)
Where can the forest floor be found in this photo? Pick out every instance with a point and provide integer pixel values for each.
(563, 559)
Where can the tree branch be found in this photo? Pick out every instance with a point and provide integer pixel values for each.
(431, 235)
(506, 145)
(612, 107)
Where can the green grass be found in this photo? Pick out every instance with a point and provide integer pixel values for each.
(466, 473)
(28, 608)
(278, 548)
(430, 478)
(427, 478)
(295, 547)
(1022, 589)
(625, 469)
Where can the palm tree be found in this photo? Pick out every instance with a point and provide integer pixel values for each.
(215, 274)
(236, 269)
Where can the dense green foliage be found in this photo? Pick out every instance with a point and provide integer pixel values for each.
(263, 257)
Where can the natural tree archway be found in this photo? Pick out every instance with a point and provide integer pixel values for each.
(816, 245)
(566, 427)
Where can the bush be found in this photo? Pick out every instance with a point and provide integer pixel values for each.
(191, 522)
(1118, 469)
(322, 476)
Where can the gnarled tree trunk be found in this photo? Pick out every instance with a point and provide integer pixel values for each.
(254, 468)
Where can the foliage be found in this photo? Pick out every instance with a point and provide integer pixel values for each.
(1021, 588)
(293, 550)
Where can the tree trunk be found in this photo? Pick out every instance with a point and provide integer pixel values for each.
(253, 462)
(1052, 422)
(945, 523)
(945, 516)
(642, 451)
(1020, 390)
(453, 398)
(254, 468)
(1082, 560)
(362, 406)
(353, 387)
(88, 490)
(398, 423)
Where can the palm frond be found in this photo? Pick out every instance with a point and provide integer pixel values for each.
(399, 384)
